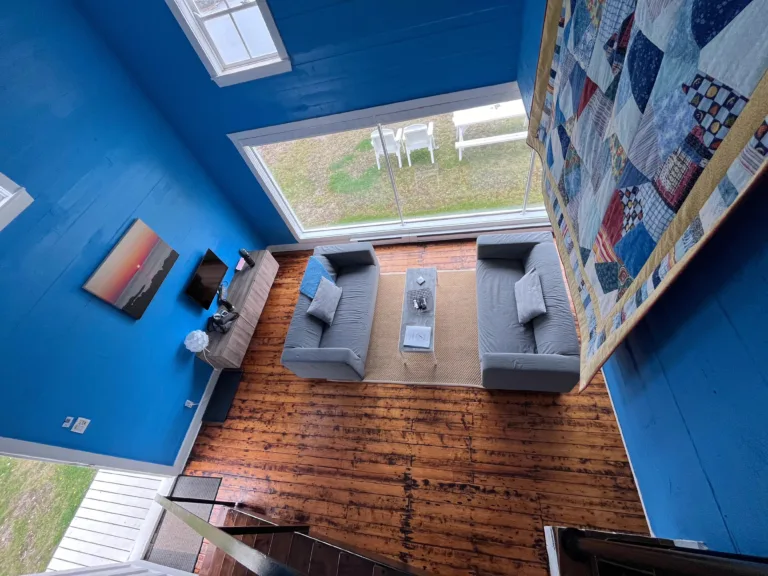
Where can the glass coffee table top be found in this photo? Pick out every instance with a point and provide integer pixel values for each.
(412, 316)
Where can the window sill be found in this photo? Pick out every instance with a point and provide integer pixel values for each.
(14, 206)
(252, 72)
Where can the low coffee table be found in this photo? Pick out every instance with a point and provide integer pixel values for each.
(414, 317)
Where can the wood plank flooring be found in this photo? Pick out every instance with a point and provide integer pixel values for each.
(450, 480)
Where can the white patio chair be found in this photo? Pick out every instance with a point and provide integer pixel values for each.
(419, 137)
(392, 142)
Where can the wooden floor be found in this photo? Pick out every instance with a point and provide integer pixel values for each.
(451, 480)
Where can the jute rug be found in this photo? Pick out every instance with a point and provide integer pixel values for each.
(458, 363)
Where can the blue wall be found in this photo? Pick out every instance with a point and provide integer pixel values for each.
(346, 55)
(690, 387)
(530, 43)
(95, 155)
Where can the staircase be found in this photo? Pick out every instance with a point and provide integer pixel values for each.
(304, 554)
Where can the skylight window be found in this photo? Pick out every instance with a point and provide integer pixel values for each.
(237, 40)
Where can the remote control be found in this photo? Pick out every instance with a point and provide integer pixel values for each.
(247, 257)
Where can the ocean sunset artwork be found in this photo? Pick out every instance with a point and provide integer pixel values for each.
(133, 271)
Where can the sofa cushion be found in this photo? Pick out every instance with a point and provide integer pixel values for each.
(555, 331)
(530, 300)
(344, 255)
(512, 246)
(498, 327)
(316, 271)
(325, 302)
(352, 324)
(305, 330)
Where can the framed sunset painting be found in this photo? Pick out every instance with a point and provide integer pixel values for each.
(132, 273)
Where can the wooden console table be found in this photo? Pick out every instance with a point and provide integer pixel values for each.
(248, 292)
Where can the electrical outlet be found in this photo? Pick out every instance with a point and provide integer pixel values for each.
(67, 422)
(80, 425)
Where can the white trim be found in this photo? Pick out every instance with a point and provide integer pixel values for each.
(194, 426)
(13, 200)
(120, 569)
(389, 113)
(532, 224)
(549, 539)
(46, 452)
(629, 458)
(149, 526)
(248, 70)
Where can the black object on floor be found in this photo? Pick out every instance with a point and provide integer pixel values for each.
(223, 395)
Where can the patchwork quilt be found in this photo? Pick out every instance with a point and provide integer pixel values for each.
(651, 120)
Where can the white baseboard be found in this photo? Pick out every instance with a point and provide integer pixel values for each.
(46, 452)
(629, 457)
(194, 426)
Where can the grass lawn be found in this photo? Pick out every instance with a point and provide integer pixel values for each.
(37, 502)
(333, 180)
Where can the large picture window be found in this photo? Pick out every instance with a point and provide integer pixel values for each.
(460, 162)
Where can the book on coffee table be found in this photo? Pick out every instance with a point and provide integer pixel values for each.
(418, 336)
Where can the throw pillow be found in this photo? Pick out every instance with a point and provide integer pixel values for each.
(325, 302)
(529, 297)
(314, 273)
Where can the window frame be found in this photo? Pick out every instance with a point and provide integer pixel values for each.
(14, 199)
(228, 75)
(390, 113)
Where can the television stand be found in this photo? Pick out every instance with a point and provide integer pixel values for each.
(248, 292)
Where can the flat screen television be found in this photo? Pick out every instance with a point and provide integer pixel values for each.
(208, 276)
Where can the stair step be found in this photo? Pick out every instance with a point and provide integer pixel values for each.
(300, 553)
(281, 547)
(325, 560)
(351, 565)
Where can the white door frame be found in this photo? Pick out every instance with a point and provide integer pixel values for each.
(389, 113)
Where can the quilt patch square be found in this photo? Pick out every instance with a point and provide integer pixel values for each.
(634, 248)
(676, 177)
(716, 107)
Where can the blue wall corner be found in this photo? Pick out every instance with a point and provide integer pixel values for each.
(95, 154)
(346, 56)
(530, 43)
(690, 387)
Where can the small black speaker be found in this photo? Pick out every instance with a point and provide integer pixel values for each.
(247, 257)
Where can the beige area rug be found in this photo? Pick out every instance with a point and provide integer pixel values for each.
(458, 363)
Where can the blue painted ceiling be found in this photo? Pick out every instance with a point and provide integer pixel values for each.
(346, 55)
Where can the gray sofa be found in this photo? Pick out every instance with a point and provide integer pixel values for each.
(337, 352)
(542, 355)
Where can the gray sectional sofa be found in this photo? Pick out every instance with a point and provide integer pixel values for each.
(542, 355)
(337, 352)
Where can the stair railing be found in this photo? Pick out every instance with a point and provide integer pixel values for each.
(223, 538)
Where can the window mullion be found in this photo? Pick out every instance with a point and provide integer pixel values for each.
(240, 34)
(391, 174)
(528, 185)
(201, 20)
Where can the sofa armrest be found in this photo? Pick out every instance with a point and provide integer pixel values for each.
(536, 372)
(354, 254)
(324, 363)
(510, 246)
